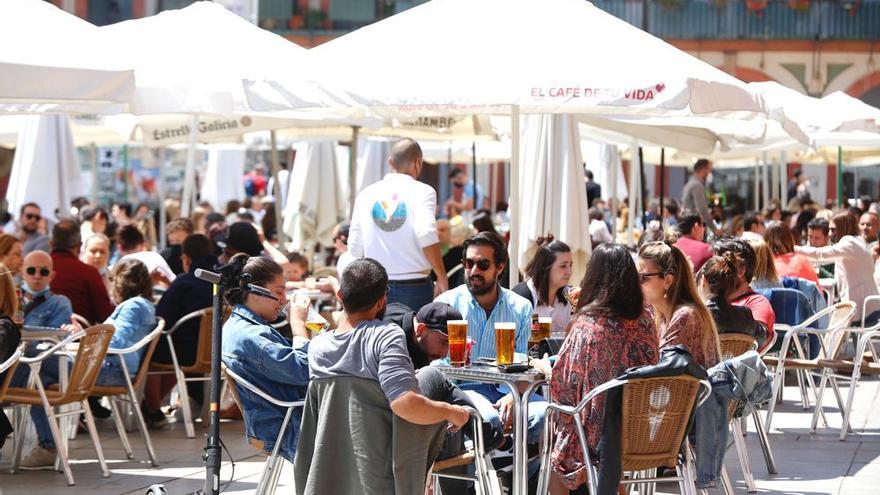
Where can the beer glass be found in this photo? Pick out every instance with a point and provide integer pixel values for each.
(457, 331)
(505, 340)
(545, 323)
(315, 322)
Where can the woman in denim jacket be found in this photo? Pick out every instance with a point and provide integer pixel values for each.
(134, 318)
(258, 353)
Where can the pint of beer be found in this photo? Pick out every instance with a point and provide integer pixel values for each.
(545, 324)
(505, 341)
(457, 331)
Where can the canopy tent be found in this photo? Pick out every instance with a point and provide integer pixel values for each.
(41, 74)
(45, 169)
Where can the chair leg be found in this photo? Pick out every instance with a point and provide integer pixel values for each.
(20, 428)
(142, 425)
(120, 428)
(90, 421)
(805, 400)
(184, 404)
(765, 443)
(725, 482)
(59, 444)
(847, 412)
(266, 477)
(743, 454)
(777, 389)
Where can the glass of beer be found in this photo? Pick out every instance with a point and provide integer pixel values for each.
(545, 323)
(457, 331)
(315, 322)
(505, 340)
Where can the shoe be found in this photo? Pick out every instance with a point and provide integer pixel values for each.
(38, 459)
(98, 411)
(156, 420)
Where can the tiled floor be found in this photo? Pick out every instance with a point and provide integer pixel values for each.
(808, 464)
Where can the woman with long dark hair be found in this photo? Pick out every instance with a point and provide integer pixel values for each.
(669, 287)
(612, 331)
(787, 262)
(853, 263)
(718, 279)
(547, 276)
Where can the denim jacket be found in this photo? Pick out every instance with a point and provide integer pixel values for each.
(258, 353)
(134, 319)
(53, 312)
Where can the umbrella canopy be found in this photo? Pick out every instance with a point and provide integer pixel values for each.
(222, 181)
(45, 169)
(316, 201)
(547, 56)
(556, 202)
(41, 74)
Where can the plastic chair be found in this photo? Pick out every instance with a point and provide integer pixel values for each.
(272, 470)
(485, 481)
(852, 369)
(128, 393)
(93, 345)
(648, 439)
(831, 342)
(199, 370)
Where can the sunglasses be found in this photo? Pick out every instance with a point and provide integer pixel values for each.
(33, 216)
(32, 270)
(644, 277)
(482, 264)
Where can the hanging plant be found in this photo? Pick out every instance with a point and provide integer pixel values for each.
(757, 6)
(799, 5)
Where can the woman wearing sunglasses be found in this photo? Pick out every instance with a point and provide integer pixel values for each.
(682, 318)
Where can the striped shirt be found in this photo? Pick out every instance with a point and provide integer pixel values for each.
(509, 308)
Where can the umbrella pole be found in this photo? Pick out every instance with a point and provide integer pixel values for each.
(631, 210)
(161, 192)
(644, 193)
(757, 179)
(189, 176)
(612, 195)
(94, 152)
(512, 208)
(477, 206)
(840, 175)
(352, 168)
(662, 181)
(276, 188)
(765, 176)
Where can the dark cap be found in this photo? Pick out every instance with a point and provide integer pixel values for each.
(436, 314)
(243, 237)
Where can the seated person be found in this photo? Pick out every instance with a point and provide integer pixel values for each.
(175, 232)
(185, 295)
(10, 336)
(134, 318)
(42, 308)
(613, 331)
(718, 280)
(132, 245)
(691, 231)
(96, 253)
(547, 277)
(743, 295)
(365, 347)
(296, 269)
(258, 353)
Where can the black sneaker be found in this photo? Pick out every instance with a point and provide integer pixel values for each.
(98, 411)
(155, 419)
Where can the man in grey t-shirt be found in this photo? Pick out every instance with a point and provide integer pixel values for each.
(693, 196)
(365, 347)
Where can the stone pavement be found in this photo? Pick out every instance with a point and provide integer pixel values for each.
(808, 464)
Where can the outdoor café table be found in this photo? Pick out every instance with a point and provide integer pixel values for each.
(487, 373)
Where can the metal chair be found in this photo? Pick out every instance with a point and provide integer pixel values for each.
(852, 369)
(9, 366)
(129, 392)
(272, 471)
(93, 345)
(485, 481)
(831, 341)
(648, 439)
(81, 320)
(198, 371)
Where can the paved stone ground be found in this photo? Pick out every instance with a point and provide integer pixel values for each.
(808, 464)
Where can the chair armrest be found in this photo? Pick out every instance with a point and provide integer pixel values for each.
(865, 306)
(54, 349)
(195, 314)
(5, 365)
(141, 343)
(253, 388)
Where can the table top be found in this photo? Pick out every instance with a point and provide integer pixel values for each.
(481, 371)
(44, 333)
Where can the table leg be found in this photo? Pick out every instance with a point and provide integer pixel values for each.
(520, 452)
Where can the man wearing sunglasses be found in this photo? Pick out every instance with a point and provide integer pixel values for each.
(42, 308)
(31, 237)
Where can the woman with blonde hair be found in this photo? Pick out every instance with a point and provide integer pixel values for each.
(765, 276)
(669, 286)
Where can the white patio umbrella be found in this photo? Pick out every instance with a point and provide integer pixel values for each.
(40, 73)
(372, 161)
(45, 169)
(316, 201)
(222, 181)
(557, 199)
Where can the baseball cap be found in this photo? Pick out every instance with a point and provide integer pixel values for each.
(436, 314)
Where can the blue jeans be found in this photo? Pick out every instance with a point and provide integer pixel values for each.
(414, 296)
(710, 439)
(111, 375)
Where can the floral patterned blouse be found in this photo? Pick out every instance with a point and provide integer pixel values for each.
(686, 328)
(597, 349)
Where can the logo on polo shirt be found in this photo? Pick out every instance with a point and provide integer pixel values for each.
(389, 215)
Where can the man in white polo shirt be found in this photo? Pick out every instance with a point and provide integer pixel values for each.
(394, 222)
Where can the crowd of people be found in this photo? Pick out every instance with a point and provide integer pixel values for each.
(402, 275)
